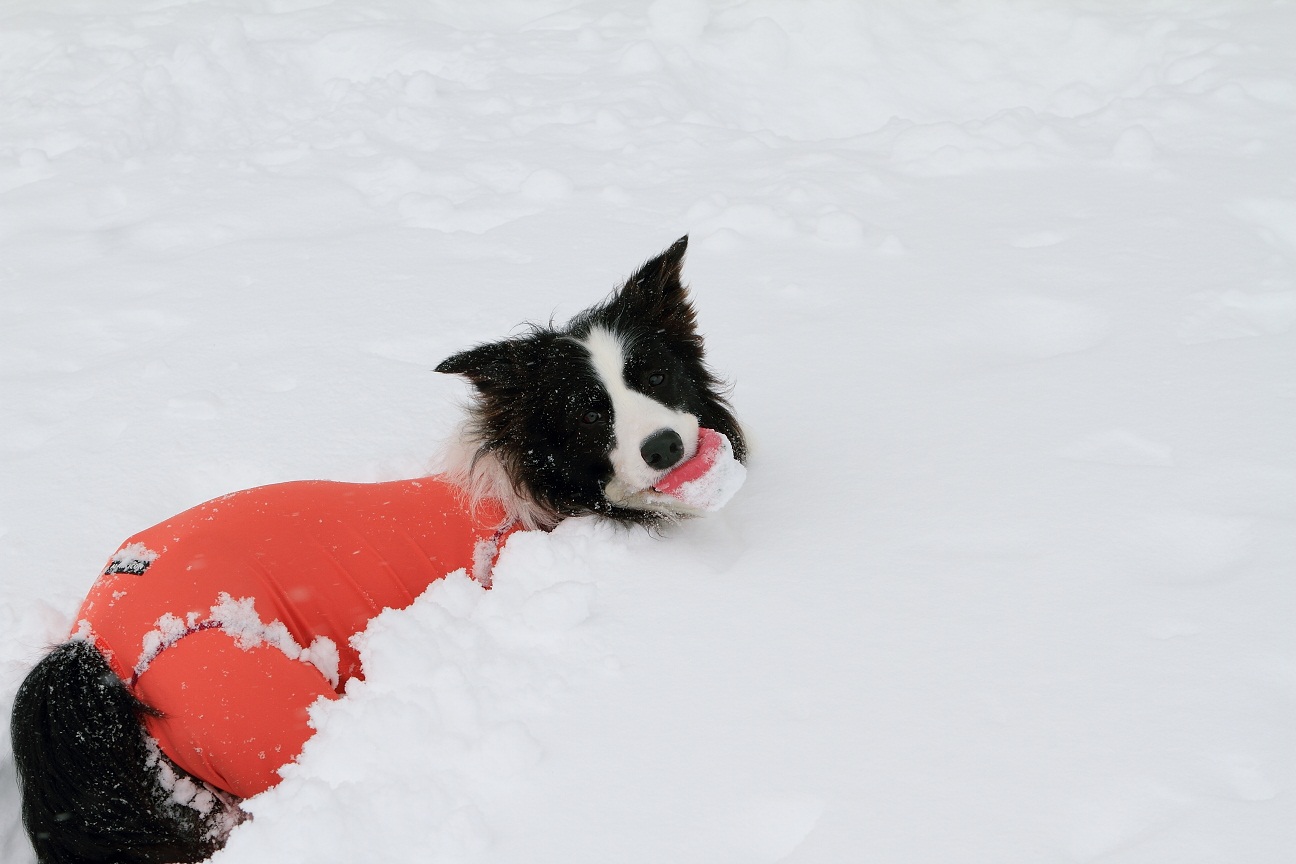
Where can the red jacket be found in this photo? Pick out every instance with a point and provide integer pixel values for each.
(233, 617)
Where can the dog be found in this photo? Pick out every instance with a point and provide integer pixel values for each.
(185, 684)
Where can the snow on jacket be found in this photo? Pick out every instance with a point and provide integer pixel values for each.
(232, 617)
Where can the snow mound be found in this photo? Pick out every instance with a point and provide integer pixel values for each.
(441, 726)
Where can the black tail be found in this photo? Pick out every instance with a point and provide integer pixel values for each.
(92, 783)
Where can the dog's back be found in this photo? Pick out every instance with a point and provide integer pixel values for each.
(216, 630)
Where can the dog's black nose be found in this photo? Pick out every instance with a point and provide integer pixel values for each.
(662, 449)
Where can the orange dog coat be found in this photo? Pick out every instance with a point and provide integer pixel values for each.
(233, 617)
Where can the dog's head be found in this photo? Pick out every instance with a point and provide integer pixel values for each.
(587, 417)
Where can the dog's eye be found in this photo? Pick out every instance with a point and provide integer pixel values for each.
(589, 418)
(656, 378)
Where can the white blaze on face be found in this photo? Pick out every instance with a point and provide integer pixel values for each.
(634, 418)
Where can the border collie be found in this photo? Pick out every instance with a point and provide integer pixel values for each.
(591, 418)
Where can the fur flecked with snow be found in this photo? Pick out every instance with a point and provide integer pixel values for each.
(560, 414)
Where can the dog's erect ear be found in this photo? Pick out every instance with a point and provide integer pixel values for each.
(663, 272)
(655, 292)
(483, 365)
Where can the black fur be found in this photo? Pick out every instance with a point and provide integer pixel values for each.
(537, 392)
(90, 785)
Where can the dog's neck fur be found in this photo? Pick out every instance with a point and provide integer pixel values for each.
(478, 473)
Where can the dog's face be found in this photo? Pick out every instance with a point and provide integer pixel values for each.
(585, 419)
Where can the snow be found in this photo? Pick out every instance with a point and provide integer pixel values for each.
(167, 630)
(184, 790)
(1007, 292)
(240, 619)
(131, 558)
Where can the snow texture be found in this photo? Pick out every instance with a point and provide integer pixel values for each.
(132, 558)
(167, 630)
(240, 620)
(1008, 296)
(184, 791)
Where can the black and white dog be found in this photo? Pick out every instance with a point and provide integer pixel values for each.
(586, 418)
(589, 418)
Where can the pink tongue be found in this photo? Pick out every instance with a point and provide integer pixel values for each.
(709, 444)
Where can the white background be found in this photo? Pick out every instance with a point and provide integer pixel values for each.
(1007, 293)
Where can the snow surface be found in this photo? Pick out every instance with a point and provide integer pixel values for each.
(1007, 291)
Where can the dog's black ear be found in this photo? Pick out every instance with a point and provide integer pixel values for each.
(663, 272)
(483, 364)
(655, 292)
